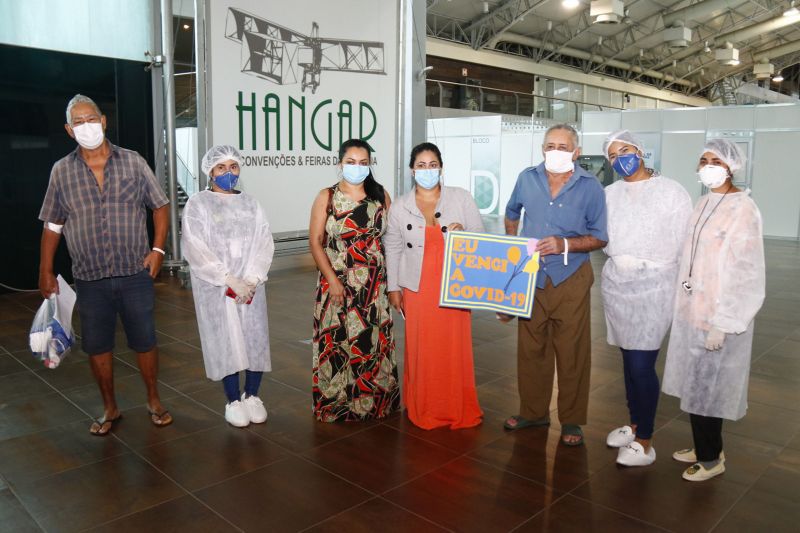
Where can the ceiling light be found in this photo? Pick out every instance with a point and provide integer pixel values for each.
(778, 78)
(707, 48)
(570, 4)
(186, 26)
(792, 11)
(486, 7)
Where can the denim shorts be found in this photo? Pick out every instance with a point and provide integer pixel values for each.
(101, 301)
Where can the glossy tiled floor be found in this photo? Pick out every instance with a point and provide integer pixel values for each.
(294, 474)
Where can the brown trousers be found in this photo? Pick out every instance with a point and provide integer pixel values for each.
(558, 335)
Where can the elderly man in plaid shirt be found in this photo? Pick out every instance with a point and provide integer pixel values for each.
(97, 197)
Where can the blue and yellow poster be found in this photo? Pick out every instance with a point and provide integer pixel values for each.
(490, 272)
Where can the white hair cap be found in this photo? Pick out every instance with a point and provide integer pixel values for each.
(622, 136)
(218, 154)
(728, 151)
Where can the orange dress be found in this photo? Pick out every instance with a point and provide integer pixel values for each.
(439, 377)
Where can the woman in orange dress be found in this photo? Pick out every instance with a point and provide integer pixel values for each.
(439, 378)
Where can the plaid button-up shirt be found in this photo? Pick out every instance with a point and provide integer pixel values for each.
(105, 229)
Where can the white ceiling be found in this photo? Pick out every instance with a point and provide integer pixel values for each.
(637, 40)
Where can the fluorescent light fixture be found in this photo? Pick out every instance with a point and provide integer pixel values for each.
(792, 11)
(570, 4)
(778, 78)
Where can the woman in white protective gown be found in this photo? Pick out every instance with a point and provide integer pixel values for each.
(647, 218)
(227, 241)
(720, 290)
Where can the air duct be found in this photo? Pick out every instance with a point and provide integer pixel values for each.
(677, 36)
(580, 54)
(778, 51)
(607, 11)
(698, 11)
(766, 27)
(763, 71)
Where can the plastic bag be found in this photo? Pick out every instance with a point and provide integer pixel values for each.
(51, 336)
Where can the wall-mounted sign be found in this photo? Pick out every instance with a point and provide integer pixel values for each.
(288, 86)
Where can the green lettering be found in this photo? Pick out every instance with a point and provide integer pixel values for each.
(301, 105)
(361, 107)
(272, 105)
(241, 108)
(330, 125)
(348, 114)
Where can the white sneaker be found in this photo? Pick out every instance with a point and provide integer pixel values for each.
(236, 414)
(256, 411)
(698, 472)
(634, 455)
(620, 437)
(688, 456)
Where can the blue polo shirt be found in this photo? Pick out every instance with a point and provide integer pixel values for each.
(578, 210)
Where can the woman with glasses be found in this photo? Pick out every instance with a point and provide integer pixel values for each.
(354, 368)
(438, 378)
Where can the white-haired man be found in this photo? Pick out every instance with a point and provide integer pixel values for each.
(565, 209)
(97, 196)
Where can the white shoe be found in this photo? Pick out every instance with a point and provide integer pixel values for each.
(698, 472)
(634, 455)
(688, 456)
(236, 414)
(256, 411)
(620, 437)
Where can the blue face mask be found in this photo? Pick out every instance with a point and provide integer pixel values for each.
(355, 174)
(627, 164)
(226, 181)
(427, 178)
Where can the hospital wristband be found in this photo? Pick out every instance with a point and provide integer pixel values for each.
(566, 251)
(159, 250)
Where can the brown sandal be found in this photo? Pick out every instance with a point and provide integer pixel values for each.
(161, 419)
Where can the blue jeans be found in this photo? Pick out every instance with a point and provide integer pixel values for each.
(641, 389)
(252, 381)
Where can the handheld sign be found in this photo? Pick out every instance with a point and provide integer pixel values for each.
(490, 272)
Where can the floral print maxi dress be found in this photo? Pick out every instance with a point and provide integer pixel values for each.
(354, 369)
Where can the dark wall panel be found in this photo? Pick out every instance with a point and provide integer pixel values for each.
(34, 91)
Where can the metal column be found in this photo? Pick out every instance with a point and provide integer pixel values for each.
(168, 79)
(200, 87)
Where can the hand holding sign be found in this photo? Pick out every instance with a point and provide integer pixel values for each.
(493, 272)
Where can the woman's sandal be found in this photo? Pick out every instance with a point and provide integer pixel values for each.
(161, 419)
(96, 428)
(522, 423)
(571, 430)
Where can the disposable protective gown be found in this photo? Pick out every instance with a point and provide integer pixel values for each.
(228, 234)
(646, 227)
(727, 282)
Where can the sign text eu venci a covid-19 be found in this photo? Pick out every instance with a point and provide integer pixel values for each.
(326, 124)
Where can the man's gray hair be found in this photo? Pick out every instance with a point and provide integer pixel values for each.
(80, 99)
(566, 127)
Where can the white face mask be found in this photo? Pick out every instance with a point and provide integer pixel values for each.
(558, 161)
(89, 134)
(712, 176)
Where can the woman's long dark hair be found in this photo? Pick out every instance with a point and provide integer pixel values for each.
(373, 189)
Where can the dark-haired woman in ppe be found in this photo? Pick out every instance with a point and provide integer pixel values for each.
(354, 368)
(721, 288)
(647, 218)
(439, 377)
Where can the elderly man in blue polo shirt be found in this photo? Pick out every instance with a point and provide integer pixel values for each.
(565, 209)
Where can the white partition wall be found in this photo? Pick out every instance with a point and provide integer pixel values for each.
(769, 134)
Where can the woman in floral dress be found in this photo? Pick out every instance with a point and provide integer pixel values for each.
(354, 369)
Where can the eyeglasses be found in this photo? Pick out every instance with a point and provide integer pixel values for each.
(83, 119)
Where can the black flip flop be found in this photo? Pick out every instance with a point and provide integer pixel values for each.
(522, 423)
(571, 429)
(159, 420)
(100, 423)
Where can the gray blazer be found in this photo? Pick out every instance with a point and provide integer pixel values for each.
(404, 240)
